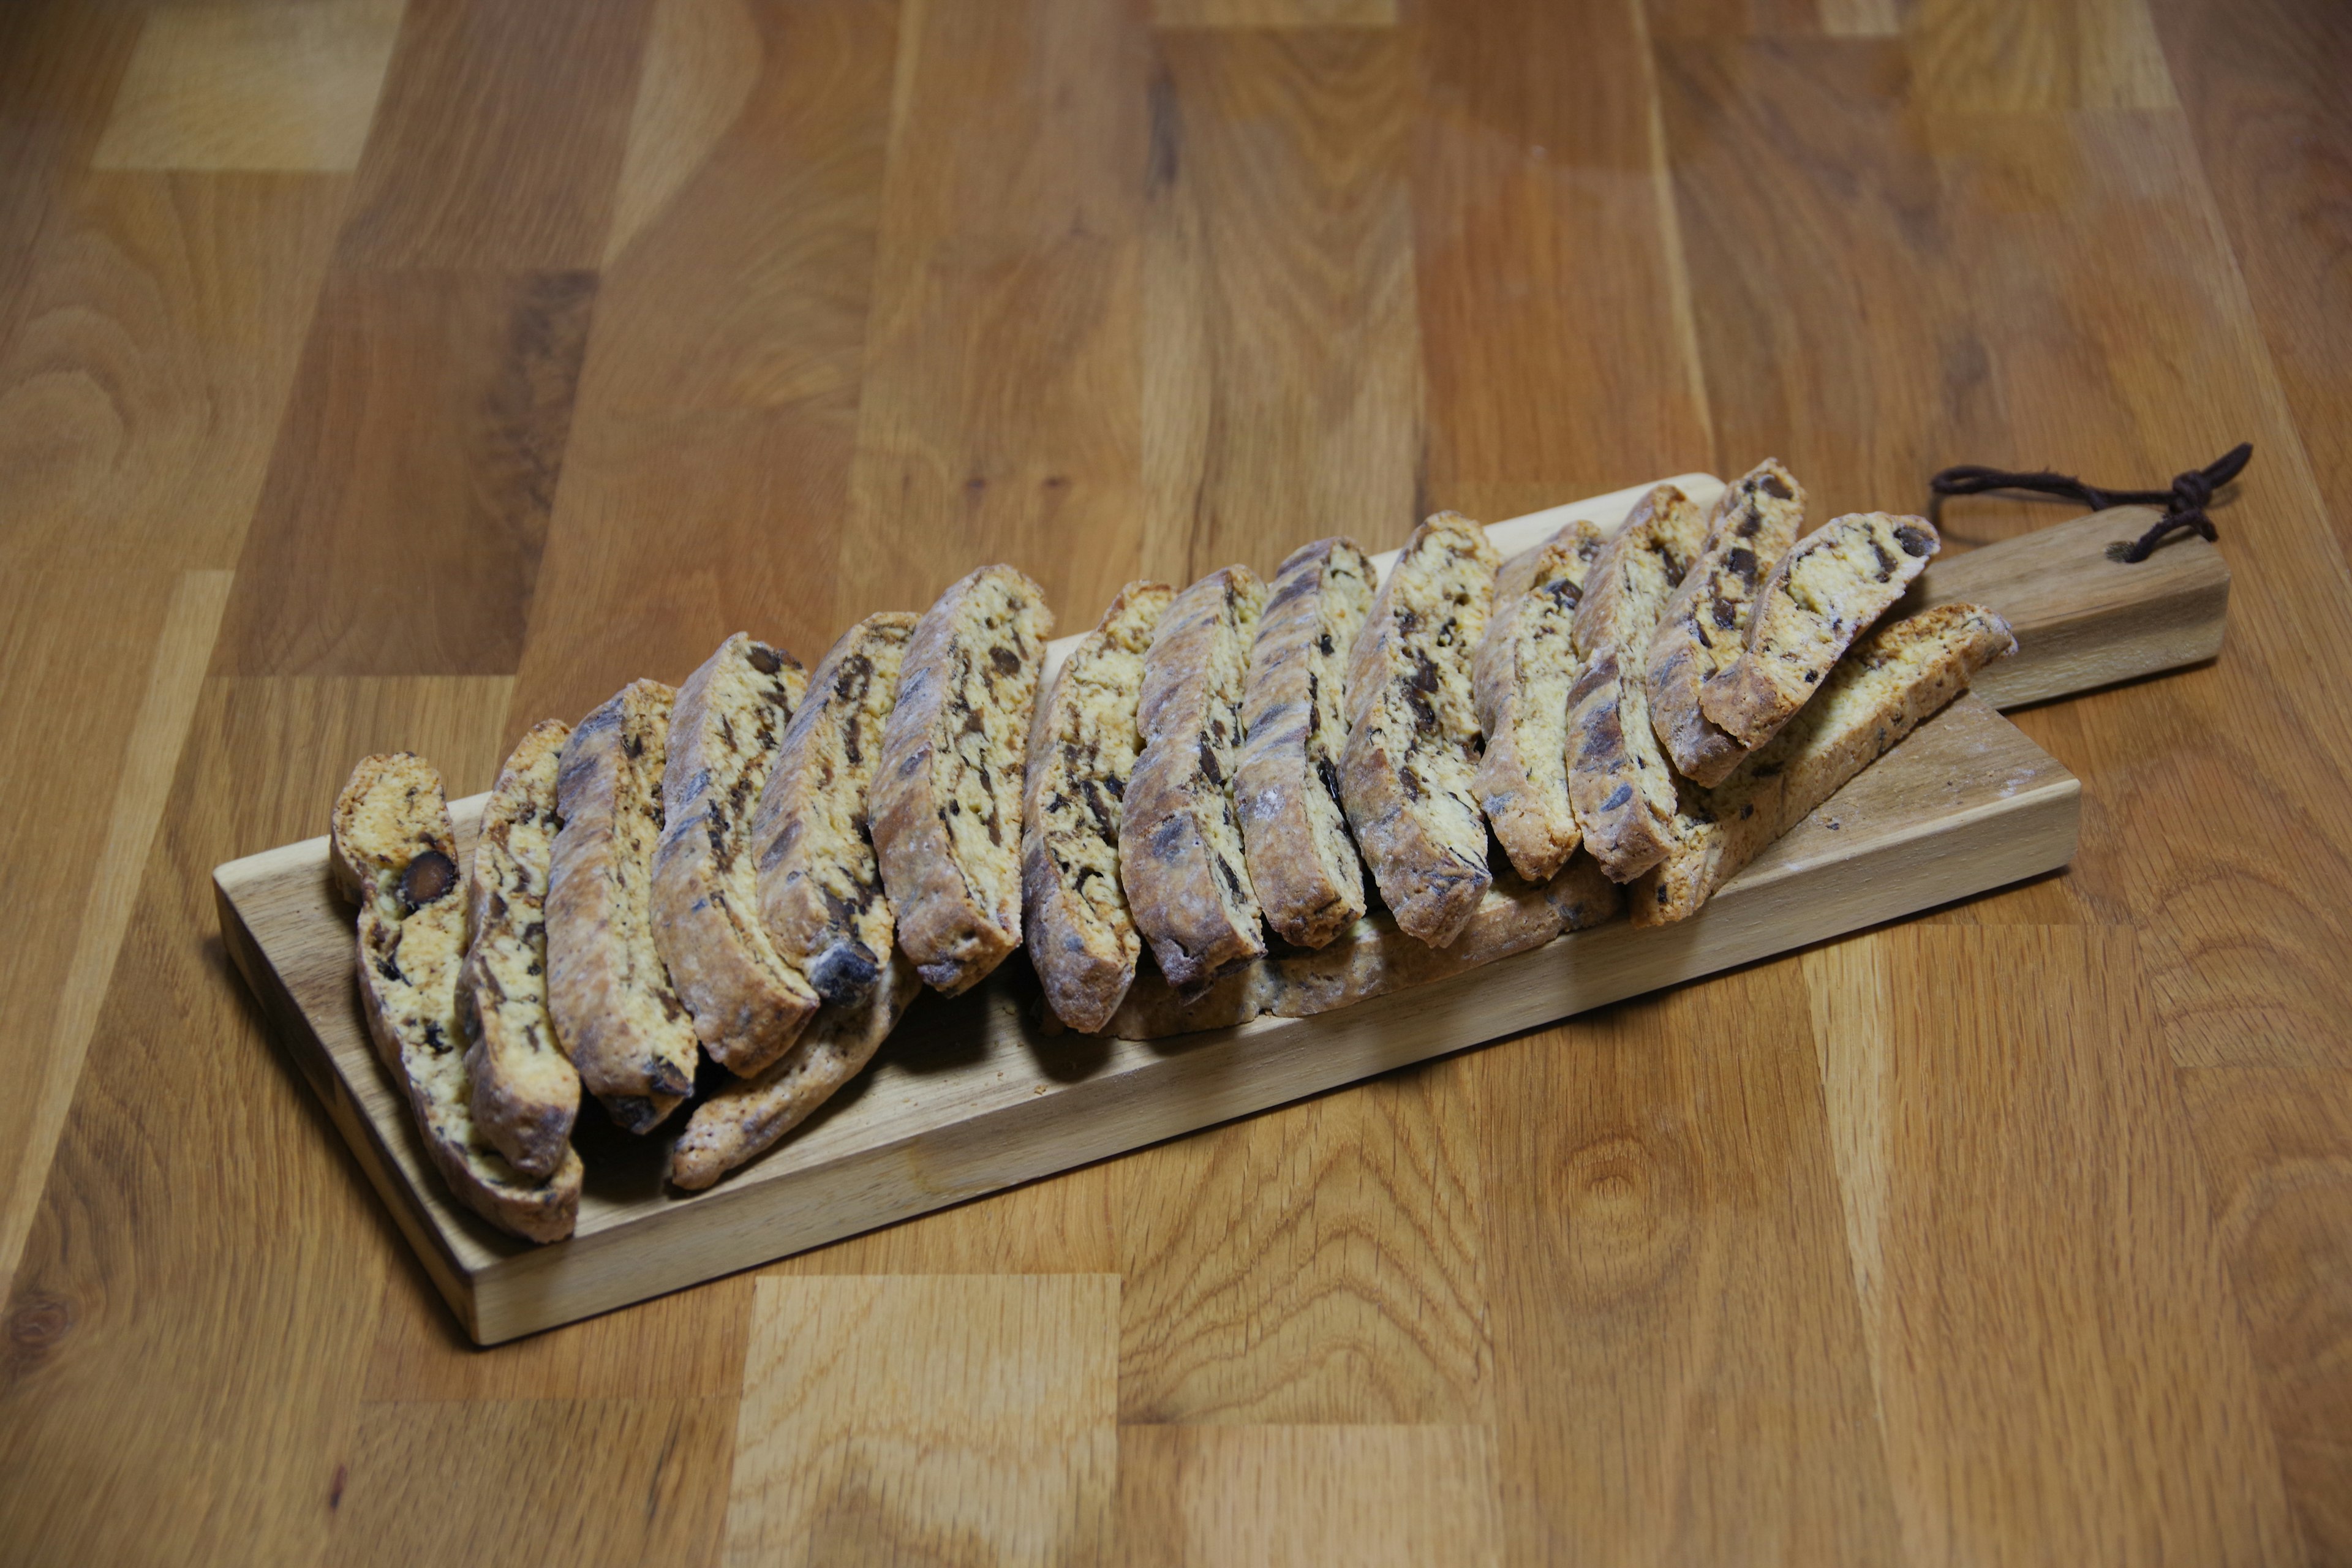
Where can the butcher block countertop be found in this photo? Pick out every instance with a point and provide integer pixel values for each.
(392, 374)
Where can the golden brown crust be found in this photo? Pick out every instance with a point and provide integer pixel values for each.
(615, 1011)
(1302, 863)
(744, 1118)
(821, 892)
(1618, 781)
(525, 1090)
(1181, 853)
(1825, 592)
(724, 733)
(1891, 682)
(1409, 769)
(1082, 940)
(947, 791)
(1526, 667)
(1705, 626)
(392, 844)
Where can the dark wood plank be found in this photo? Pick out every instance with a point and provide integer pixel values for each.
(60, 64)
(1559, 363)
(400, 529)
(1283, 393)
(499, 137)
(707, 474)
(1000, 414)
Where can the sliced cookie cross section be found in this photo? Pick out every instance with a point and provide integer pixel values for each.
(1704, 628)
(820, 886)
(1082, 941)
(618, 1015)
(1526, 667)
(394, 853)
(1180, 855)
(1618, 782)
(947, 795)
(747, 1003)
(1409, 771)
(1302, 862)
(1825, 592)
(526, 1091)
(1892, 682)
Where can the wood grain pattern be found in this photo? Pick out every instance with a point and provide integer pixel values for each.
(941, 1419)
(1282, 403)
(215, 87)
(1294, 1496)
(847, 257)
(406, 507)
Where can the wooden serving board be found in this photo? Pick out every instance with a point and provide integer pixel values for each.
(973, 1094)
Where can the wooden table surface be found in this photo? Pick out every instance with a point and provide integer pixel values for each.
(379, 374)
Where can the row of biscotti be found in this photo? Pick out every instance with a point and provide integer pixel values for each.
(753, 869)
(1198, 770)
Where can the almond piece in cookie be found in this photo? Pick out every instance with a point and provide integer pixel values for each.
(1082, 749)
(1180, 855)
(1618, 780)
(1705, 626)
(1409, 772)
(395, 853)
(820, 886)
(1825, 592)
(1526, 667)
(748, 1004)
(619, 1018)
(946, 792)
(1892, 682)
(525, 1090)
(1302, 863)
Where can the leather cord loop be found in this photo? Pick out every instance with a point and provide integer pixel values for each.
(2185, 500)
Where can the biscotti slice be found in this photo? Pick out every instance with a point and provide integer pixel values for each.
(1526, 667)
(745, 1118)
(525, 1090)
(1082, 749)
(947, 794)
(1618, 781)
(1181, 856)
(1705, 626)
(395, 853)
(1408, 772)
(1891, 683)
(820, 888)
(1822, 594)
(729, 719)
(1302, 864)
(619, 1018)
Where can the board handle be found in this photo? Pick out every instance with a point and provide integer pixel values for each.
(2082, 619)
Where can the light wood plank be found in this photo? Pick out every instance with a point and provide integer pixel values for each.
(1291, 1497)
(518, 1481)
(1999, 56)
(149, 760)
(145, 376)
(1679, 1361)
(230, 87)
(1318, 1265)
(1282, 402)
(1274, 13)
(2059, 1365)
(947, 1419)
(225, 1278)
